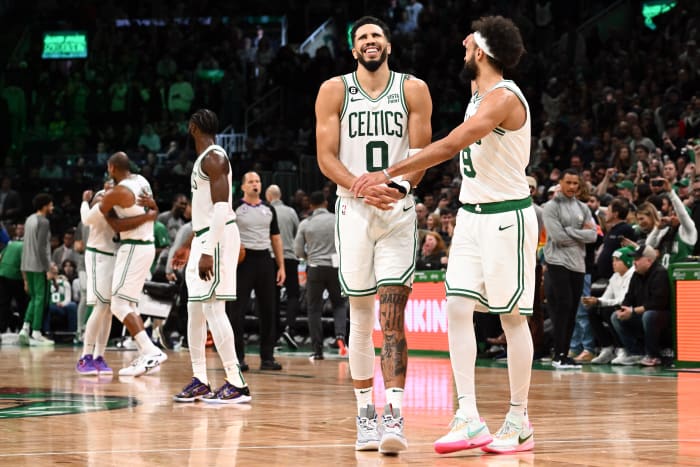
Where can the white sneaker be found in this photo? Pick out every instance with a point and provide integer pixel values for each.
(392, 440)
(514, 436)
(39, 340)
(464, 434)
(23, 337)
(630, 360)
(620, 355)
(606, 355)
(367, 434)
(144, 364)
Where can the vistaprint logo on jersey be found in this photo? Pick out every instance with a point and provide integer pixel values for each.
(393, 98)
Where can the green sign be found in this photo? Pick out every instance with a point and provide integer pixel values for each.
(62, 45)
(653, 8)
(429, 276)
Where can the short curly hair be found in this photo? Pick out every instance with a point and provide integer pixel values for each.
(504, 40)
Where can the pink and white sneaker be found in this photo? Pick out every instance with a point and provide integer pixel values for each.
(514, 436)
(464, 434)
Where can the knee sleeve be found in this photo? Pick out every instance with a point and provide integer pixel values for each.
(121, 308)
(360, 342)
(520, 352)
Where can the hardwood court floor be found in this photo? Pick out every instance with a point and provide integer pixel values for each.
(304, 415)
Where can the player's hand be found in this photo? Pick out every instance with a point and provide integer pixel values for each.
(365, 181)
(206, 267)
(87, 195)
(180, 258)
(281, 277)
(147, 201)
(382, 196)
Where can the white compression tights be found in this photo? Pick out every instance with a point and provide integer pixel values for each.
(361, 347)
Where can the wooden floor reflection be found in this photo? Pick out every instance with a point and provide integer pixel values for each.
(305, 415)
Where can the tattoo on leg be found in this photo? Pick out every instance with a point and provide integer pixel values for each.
(394, 357)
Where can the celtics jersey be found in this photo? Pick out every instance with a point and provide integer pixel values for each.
(101, 236)
(373, 132)
(138, 185)
(493, 168)
(202, 206)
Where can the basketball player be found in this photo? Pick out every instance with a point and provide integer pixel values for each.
(492, 257)
(99, 262)
(132, 262)
(211, 268)
(366, 121)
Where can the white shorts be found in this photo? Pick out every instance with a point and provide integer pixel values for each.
(223, 285)
(375, 247)
(131, 268)
(492, 260)
(99, 267)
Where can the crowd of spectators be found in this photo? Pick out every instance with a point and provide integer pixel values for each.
(619, 104)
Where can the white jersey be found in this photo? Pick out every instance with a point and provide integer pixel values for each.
(138, 186)
(101, 237)
(373, 132)
(202, 206)
(493, 168)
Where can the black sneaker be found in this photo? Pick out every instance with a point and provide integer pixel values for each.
(243, 366)
(289, 340)
(193, 391)
(271, 365)
(316, 356)
(228, 394)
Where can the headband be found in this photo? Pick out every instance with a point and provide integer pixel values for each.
(481, 43)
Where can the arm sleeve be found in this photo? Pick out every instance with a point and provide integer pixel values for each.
(687, 231)
(216, 230)
(88, 215)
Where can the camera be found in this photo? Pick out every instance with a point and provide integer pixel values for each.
(657, 183)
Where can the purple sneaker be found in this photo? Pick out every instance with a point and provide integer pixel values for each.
(102, 366)
(194, 391)
(86, 366)
(228, 394)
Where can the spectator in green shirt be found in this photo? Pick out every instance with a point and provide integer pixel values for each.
(11, 281)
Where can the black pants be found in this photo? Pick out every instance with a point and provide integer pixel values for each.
(563, 294)
(291, 285)
(9, 289)
(605, 336)
(318, 279)
(256, 272)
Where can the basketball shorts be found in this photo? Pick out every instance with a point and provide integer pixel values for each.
(99, 267)
(375, 247)
(132, 265)
(223, 285)
(492, 260)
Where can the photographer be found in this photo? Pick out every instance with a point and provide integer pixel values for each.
(676, 234)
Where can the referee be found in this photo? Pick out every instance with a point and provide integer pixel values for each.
(260, 233)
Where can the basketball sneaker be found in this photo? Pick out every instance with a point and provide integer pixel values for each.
(144, 364)
(86, 366)
(465, 433)
(228, 394)
(392, 439)
(367, 434)
(37, 339)
(102, 366)
(193, 391)
(515, 435)
(23, 337)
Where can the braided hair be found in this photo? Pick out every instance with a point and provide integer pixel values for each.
(206, 121)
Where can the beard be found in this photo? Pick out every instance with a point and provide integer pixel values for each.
(373, 65)
(470, 72)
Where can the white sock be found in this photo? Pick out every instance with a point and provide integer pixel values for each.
(197, 337)
(222, 333)
(145, 345)
(394, 397)
(520, 352)
(25, 327)
(364, 398)
(518, 411)
(462, 342)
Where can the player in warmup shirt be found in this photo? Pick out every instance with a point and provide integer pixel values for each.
(366, 121)
(133, 259)
(492, 258)
(211, 267)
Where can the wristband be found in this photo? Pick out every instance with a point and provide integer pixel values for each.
(216, 229)
(399, 186)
